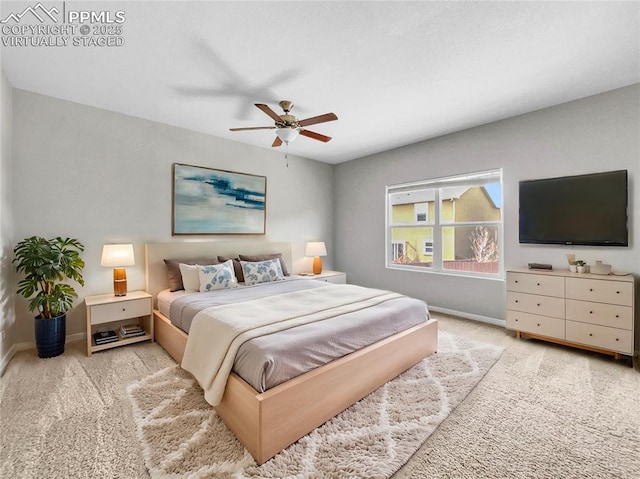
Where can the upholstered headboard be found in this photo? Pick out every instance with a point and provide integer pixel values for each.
(156, 253)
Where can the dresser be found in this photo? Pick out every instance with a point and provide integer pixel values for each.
(587, 311)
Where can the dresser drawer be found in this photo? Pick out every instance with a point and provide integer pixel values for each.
(536, 284)
(104, 313)
(532, 323)
(533, 303)
(610, 315)
(601, 291)
(620, 340)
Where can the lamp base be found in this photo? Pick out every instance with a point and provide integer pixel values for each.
(119, 282)
(317, 265)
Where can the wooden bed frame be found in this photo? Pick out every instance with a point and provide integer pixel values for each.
(266, 423)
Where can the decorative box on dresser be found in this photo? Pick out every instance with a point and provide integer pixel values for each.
(588, 311)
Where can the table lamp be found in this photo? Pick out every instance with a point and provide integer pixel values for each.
(316, 249)
(118, 256)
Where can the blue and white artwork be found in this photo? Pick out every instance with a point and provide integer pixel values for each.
(208, 201)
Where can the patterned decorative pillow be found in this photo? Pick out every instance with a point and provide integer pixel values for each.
(237, 268)
(263, 257)
(217, 276)
(261, 271)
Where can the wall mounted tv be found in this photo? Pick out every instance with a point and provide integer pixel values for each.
(575, 210)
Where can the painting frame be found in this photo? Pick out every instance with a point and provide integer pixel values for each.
(210, 201)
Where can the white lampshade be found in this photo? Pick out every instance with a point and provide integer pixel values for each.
(287, 134)
(316, 248)
(117, 255)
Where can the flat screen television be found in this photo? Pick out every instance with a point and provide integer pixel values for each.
(575, 210)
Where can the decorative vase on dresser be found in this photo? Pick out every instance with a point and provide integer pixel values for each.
(587, 311)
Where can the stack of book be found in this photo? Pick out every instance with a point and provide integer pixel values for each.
(131, 331)
(104, 337)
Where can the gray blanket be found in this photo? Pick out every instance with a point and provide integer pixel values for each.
(267, 361)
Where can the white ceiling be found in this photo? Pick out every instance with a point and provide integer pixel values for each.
(394, 72)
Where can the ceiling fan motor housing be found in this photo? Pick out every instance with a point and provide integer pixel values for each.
(288, 121)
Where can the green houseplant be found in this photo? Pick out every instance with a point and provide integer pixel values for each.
(46, 264)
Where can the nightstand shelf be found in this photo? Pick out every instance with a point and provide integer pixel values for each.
(108, 312)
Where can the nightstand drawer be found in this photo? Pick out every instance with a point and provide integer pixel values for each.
(532, 303)
(336, 279)
(610, 315)
(532, 323)
(620, 340)
(536, 284)
(613, 292)
(104, 313)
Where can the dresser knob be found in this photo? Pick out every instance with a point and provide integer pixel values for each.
(590, 312)
(617, 339)
(617, 292)
(617, 315)
(538, 304)
(590, 289)
(538, 324)
(124, 309)
(516, 281)
(590, 334)
(538, 284)
(516, 300)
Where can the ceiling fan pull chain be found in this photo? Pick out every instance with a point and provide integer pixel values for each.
(286, 152)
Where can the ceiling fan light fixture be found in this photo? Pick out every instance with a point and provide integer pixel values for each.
(287, 134)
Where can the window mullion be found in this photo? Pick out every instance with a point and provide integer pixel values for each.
(437, 233)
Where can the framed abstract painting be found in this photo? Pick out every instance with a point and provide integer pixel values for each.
(208, 201)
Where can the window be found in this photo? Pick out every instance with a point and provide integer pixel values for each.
(421, 211)
(451, 225)
(398, 250)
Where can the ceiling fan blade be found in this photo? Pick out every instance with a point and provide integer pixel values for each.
(318, 119)
(314, 135)
(269, 111)
(253, 128)
(277, 142)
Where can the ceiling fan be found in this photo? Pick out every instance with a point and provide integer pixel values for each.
(288, 127)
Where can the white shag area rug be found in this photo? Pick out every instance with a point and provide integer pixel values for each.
(182, 437)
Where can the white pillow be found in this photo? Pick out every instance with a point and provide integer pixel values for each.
(190, 278)
(261, 271)
(217, 276)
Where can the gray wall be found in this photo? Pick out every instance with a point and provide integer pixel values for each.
(104, 177)
(7, 313)
(597, 133)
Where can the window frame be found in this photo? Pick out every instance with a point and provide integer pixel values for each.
(437, 223)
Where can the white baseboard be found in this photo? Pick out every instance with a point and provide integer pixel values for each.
(32, 344)
(475, 317)
(4, 362)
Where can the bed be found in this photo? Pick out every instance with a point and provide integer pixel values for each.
(267, 422)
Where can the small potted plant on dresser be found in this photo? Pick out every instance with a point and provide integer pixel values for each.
(581, 266)
(46, 263)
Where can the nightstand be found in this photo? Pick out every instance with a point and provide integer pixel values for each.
(335, 277)
(108, 312)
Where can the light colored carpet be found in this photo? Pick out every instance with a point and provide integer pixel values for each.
(183, 437)
(541, 411)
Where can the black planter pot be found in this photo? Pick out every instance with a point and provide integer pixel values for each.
(50, 335)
